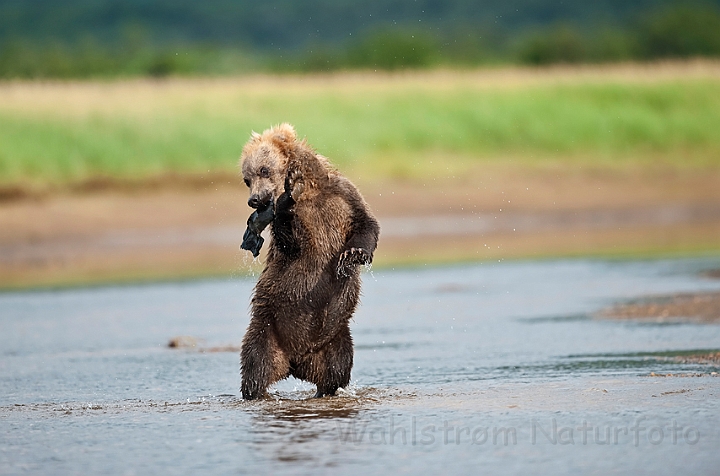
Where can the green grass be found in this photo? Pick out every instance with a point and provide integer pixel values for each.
(380, 128)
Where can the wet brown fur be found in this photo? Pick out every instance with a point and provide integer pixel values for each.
(309, 289)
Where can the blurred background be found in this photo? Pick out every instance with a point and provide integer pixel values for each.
(96, 38)
(477, 130)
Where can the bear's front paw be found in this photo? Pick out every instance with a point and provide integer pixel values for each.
(351, 258)
(294, 184)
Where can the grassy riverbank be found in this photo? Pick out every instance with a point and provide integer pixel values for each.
(415, 124)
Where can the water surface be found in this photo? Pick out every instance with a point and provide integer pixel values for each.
(492, 367)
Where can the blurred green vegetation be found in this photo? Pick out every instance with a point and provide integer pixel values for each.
(90, 60)
(546, 34)
(681, 31)
(375, 128)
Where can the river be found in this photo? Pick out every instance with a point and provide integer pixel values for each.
(489, 367)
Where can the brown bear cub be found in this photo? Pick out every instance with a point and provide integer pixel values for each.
(322, 230)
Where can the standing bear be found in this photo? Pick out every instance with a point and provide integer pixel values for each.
(322, 230)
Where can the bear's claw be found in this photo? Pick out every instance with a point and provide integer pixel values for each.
(297, 190)
(351, 258)
(294, 185)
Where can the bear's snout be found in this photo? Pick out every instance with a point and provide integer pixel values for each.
(258, 201)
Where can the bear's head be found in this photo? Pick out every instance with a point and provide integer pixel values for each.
(264, 162)
(267, 157)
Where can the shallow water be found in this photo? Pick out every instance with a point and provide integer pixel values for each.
(493, 367)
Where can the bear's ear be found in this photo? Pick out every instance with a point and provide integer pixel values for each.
(284, 134)
(284, 138)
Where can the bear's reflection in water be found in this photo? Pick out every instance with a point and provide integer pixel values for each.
(289, 429)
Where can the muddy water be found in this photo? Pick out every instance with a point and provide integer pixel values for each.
(490, 367)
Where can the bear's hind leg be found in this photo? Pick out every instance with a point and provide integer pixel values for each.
(334, 364)
(262, 362)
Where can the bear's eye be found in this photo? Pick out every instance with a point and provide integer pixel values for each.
(264, 172)
(247, 182)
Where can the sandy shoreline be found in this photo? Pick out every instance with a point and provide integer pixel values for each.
(697, 307)
(188, 228)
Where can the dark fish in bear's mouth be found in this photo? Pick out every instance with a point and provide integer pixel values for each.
(258, 220)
